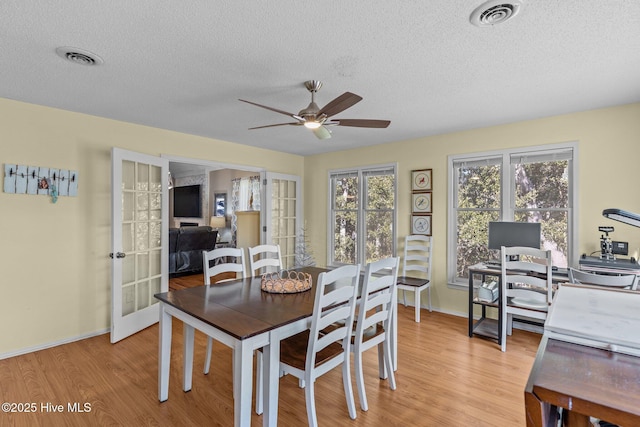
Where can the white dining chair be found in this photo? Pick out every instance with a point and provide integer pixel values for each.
(316, 351)
(216, 262)
(526, 287)
(416, 270)
(264, 259)
(373, 321)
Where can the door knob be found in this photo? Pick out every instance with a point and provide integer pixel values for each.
(118, 255)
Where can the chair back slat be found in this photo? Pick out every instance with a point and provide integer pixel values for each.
(333, 305)
(217, 262)
(417, 255)
(264, 259)
(377, 297)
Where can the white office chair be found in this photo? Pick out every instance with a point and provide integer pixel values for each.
(373, 322)
(314, 352)
(624, 281)
(526, 286)
(264, 259)
(216, 262)
(417, 258)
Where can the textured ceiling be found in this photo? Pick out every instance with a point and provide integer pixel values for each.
(182, 65)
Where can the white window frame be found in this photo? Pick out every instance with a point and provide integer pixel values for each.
(360, 171)
(507, 198)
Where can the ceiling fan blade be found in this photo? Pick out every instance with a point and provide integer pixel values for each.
(339, 104)
(322, 133)
(361, 123)
(286, 113)
(277, 124)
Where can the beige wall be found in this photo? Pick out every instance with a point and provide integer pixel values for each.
(54, 266)
(55, 270)
(609, 162)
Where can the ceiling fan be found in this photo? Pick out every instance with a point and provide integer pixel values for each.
(317, 119)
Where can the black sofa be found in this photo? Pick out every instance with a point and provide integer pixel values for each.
(186, 245)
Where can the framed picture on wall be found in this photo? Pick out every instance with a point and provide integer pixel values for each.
(421, 224)
(421, 180)
(421, 202)
(220, 200)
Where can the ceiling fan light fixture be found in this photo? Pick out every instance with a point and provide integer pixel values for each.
(312, 124)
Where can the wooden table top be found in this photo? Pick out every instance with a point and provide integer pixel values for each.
(240, 308)
(586, 380)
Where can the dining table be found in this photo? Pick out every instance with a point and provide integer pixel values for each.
(239, 314)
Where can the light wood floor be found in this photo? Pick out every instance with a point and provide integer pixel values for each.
(444, 378)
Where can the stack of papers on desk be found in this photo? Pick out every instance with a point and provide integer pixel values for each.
(596, 317)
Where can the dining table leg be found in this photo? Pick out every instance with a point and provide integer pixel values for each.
(187, 360)
(242, 382)
(164, 353)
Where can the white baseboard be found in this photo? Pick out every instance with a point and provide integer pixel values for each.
(27, 350)
(516, 324)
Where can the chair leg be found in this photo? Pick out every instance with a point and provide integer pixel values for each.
(362, 394)
(309, 393)
(207, 360)
(348, 389)
(417, 303)
(429, 296)
(509, 324)
(382, 370)
(503, 345)
(404, 297)
(386, 348)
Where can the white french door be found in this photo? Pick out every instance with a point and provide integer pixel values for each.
(283, 214)
(139, 234)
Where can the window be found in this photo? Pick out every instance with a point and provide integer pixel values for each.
(529, 185)
(362, 217)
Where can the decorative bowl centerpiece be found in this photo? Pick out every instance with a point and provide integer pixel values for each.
(285, 282)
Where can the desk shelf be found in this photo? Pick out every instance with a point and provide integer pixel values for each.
(484, 326)
(487, 328)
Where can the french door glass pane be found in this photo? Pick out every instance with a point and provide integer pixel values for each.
(283, 219)
(141, 234)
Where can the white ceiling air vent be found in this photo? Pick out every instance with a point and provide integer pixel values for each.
(79, 56)
(494, 12)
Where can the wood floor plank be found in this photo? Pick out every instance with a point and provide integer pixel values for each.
(444, 378)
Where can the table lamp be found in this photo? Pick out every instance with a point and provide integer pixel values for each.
(218, 222)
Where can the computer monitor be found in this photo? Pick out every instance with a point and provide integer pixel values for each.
(504, 233)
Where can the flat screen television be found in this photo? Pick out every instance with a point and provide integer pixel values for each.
(504, 233)
(187, 202)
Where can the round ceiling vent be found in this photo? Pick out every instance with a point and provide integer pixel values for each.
(79, 56)
(494, 12)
